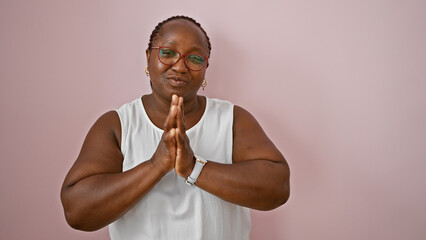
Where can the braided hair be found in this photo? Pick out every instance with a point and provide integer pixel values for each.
(157, 28)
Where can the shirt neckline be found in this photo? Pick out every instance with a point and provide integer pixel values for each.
(161, 130)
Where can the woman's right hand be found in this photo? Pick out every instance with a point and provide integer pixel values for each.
(165, 156)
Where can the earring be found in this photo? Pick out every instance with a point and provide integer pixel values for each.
(204, 84)
(146, 71)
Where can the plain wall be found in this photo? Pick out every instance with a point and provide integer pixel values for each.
(339, 86)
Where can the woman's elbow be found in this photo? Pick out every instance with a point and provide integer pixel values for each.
(278, 197)
(78, 222)
(75, 215)
(285, 194)
(72, 220)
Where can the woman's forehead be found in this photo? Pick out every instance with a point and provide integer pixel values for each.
(182, 32)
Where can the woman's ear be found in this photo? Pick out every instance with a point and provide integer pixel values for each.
(148, 55)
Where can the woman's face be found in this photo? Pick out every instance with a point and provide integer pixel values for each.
(167, 80)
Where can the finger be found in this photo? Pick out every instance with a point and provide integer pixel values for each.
(180, 140)
(170, 121)
(183, 109)
(170, 138)
(181, 114)
(171, 135)
(175, 100)
(171, 117)
(180, 121)
(180, 102)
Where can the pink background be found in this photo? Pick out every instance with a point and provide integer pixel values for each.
(339, 86)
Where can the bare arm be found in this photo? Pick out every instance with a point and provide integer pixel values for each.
(259, 175)
(96, 191)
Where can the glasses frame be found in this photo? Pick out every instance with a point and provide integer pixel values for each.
(181, 56)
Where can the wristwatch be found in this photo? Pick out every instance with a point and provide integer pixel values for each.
(199, 164)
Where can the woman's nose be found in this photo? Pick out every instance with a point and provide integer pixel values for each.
(180, 66)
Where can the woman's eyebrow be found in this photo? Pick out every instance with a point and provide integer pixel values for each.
(195, 49)
(192, 48)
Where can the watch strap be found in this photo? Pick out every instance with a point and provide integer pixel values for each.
(199, 164)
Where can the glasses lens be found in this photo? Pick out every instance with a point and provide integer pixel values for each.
(168, 56)
(195, 62)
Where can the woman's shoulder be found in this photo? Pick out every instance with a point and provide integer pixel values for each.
(221, 105)
(216, 104)
(134, 104)
(217, 100)
(112, 121)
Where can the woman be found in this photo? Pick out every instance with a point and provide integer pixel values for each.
(134, 163)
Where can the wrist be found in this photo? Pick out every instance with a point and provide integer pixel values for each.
(158, 168)
(190, 167)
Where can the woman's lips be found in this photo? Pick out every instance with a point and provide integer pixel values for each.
(176, 81)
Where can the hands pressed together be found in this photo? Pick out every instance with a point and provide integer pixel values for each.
(174, 151)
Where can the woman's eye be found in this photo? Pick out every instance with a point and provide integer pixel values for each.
(196, 59)
(167, 53)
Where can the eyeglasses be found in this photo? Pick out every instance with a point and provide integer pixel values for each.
(170, 56)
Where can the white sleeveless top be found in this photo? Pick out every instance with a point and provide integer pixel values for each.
(172, 210)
